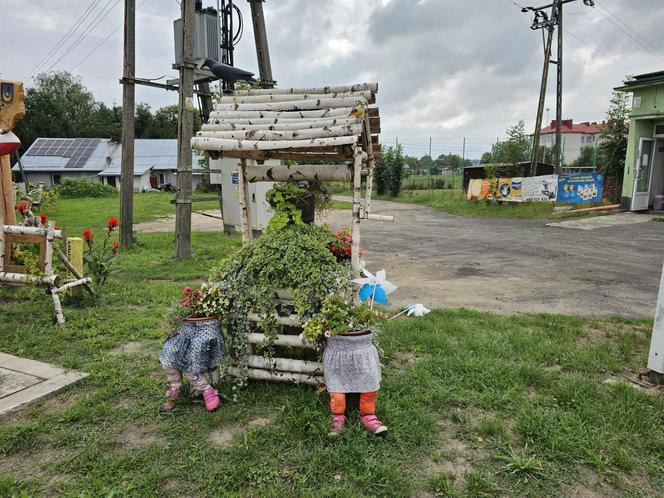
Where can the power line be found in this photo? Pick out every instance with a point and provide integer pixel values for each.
(103, 41)
(599, 52)
(638, 35)
(64, 38)
(87, 31)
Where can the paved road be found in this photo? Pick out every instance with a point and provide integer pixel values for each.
(510, 265)
(606, 266)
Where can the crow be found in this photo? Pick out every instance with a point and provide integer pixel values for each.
(228, 73)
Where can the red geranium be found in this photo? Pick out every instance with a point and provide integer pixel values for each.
(112, 224)
(22, 207)
(88, 235)
(342, 247)
(43, 218)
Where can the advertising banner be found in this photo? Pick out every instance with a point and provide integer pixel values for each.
(540, 188)
(478, 189)
(581, 187)
(509, 189)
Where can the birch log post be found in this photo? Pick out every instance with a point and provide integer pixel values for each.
(300, 172)
(73, 270)
(368, 95)
(48, 257)
(372, 87)
(260, 374)
(298, 134)
(245, 216)
(23, 279)
(294, 341)
(276, 124)
(221, 144)
(59, 316)
(357, 187)
(285, 364)
(342, 112)
(371, 164)
(297, 105)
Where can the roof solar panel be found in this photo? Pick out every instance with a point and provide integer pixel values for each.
(78, 150)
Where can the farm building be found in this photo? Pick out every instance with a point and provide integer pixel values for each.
(51, 160)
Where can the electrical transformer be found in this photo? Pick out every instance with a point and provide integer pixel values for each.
(224, 172)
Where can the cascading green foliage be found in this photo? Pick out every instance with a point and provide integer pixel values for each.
(296, 258)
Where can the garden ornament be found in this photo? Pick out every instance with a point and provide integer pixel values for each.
(413, 310)
(375, 287)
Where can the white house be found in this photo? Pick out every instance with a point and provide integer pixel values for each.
(50, 160)
(576, 136)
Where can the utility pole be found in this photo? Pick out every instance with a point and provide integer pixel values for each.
(559, 91)
(543, 21)
(185, 133)
(260, 37)
(128, 104)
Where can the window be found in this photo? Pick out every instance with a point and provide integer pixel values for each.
(56, 179)
(162, 179)
(659, 130)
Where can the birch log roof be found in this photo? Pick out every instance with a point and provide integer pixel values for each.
(293, 123)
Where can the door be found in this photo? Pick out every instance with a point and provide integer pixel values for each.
(643, 174)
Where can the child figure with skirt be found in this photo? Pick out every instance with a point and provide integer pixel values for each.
(351, 365)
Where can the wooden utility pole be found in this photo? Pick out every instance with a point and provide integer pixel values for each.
(542, 96)
(128, 104)
(260, 36)
(559, 91)
(185, 133)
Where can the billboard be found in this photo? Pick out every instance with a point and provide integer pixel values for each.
(581, 187)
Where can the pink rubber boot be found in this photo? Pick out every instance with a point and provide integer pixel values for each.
(338, 422)
(211, 398)
(374, 425)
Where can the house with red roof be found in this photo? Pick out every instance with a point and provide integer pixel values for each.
(576, 136)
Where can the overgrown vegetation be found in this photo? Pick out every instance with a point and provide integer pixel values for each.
(613, 144)
(76, 189)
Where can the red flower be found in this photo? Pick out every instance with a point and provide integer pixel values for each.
(112, 224)
(56, 228)
(115, 245)
(22, 207)
(43, 218)
(88, 235)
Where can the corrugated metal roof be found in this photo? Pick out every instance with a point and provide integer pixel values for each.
(106, 158)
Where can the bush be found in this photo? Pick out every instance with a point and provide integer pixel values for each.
(74, 189)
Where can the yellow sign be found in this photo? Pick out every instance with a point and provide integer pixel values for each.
(509, 189)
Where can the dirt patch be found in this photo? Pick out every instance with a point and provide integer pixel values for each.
(36, 465)
(135, 437)
(453, 455)
(132, 347)
(405, 360)
(225, 436)
(591, 334)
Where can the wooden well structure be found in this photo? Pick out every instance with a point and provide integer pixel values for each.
(335, 127)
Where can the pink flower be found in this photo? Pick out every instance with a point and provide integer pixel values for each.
(328, 333)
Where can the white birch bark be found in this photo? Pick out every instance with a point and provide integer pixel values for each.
(285, 364)
(300, 172)
(342, 112)
(276, 124)
(301, 134)
(276, 97)
(297, 105)
(220, 144)
(361, 87)
(297, 378)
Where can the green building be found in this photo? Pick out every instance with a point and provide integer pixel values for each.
(644, 165)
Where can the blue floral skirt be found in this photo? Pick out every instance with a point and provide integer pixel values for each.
(197, 347)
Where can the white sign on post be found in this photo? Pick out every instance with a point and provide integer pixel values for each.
(656, 355)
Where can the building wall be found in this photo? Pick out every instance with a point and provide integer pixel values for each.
(638, 128)
(47, 178)
(572, 142)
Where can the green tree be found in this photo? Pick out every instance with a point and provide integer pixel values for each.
(380, 172)
(143, 119)
(426, 164)
(487, 157)
(393, 162)
(613, 143)
(586, 158)
(514, 150)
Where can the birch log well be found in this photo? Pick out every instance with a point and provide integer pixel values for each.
(361, 87)
(245, 219)
(285, 364)
(300, 172)
(367, 95)
(276, 124)
(300, 134)
(294, 341)
(221, 144)
(297, 378)
(342, 112)
(297, 105)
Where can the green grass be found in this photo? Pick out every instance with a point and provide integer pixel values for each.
(477, 404)
(77, 214)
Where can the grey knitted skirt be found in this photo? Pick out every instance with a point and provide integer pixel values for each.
(197, 347)
(351, 364)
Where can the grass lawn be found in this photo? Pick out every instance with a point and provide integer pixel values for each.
(477, 404)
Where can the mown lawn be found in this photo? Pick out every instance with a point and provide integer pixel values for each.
(477, 404)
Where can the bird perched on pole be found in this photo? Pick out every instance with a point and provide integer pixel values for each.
(231, 74)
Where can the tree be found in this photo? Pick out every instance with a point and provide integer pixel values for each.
(487, 157)
(613, 143)
(586, 158)
(393, 162)
(380, 172)
(515, 150)
(427, 164)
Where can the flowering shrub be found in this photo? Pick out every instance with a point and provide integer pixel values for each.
(101, 259)
(208, 301)
(342, 245)
(337, 316)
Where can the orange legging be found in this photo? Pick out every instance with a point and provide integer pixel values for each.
(367, 403)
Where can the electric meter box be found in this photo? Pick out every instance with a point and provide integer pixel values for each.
(224, 171)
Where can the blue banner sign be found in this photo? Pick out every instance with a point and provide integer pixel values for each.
(581, 187)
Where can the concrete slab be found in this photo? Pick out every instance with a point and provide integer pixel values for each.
(23, 381)
(604, 221)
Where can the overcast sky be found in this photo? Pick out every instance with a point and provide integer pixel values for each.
(446, 69)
